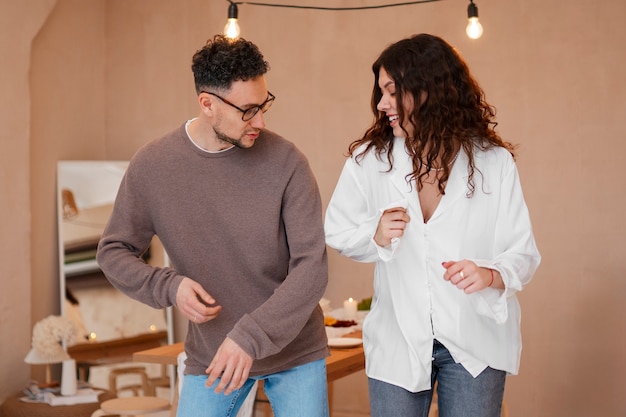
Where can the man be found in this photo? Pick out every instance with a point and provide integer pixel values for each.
(239, 214)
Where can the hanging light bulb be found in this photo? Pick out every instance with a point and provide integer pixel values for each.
(231, 30)
(474, 29)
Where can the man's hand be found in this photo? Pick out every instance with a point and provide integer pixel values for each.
(194, 302)
(391, 225)
(232, 365)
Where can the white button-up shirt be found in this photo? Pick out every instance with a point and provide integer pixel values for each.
(412, 303)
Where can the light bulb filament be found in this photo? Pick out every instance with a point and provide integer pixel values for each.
(231, 30)
(474, 29)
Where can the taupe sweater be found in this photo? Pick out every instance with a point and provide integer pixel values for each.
(244, 223)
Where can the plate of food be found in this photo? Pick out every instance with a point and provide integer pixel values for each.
(330, 321)
(344, 342)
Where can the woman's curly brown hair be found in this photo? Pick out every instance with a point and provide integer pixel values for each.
(222, 61)
(454, 115)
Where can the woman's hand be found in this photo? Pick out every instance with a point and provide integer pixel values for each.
(469, 277)
(391, 225)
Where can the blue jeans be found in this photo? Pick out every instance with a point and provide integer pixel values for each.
(301, 391)
(459, 394)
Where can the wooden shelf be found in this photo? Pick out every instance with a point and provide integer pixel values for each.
(116, 350)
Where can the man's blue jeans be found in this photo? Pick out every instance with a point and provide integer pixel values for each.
(301, 391)
(459, 394)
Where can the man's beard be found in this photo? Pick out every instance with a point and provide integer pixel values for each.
(221, 136)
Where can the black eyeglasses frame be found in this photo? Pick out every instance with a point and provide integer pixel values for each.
(249, 113)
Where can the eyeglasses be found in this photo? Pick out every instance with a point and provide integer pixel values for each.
(249, 113)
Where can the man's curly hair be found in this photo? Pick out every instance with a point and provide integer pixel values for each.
(222, 61)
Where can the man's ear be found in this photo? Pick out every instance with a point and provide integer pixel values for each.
(206, 103)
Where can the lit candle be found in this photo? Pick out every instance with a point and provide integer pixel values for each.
(349, 308)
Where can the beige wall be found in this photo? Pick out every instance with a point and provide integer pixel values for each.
(103, 77)
(19, 24)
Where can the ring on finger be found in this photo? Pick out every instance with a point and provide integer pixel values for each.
(461, 274)
(194, 318)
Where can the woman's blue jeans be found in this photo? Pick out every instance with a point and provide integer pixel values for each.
(301, 391)
(459, 394)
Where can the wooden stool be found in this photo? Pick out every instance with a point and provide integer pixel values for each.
(162, 381)
(140, 371)
(132, 406)
(262, 401)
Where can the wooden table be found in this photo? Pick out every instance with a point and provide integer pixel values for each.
(122, 348)
(340, 363)
(112, 351)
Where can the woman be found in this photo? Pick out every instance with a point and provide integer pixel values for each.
(431, 194)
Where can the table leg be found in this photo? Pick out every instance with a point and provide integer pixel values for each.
(174, 400)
